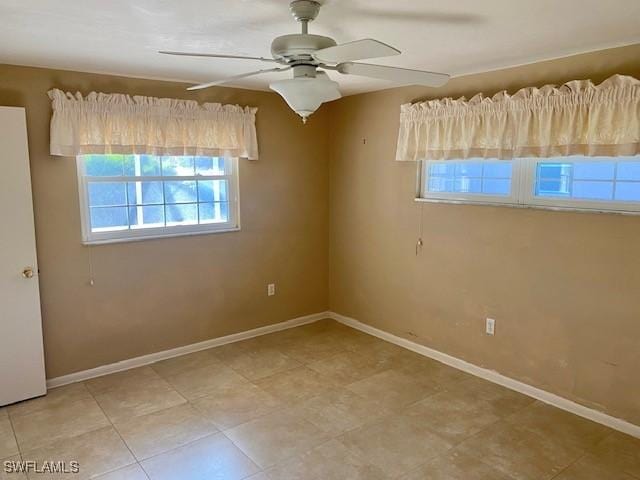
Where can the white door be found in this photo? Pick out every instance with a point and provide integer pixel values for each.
(21, 354)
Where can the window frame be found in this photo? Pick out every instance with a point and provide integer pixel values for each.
(523, 189)
(130, 235)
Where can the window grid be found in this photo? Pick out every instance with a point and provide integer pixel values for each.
(185, 221)
(489, 176)
(137, 181)
(483, 179)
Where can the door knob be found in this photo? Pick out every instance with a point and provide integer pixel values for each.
(27, 272)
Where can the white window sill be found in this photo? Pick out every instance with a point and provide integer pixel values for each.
(158, 236)
(519, 205)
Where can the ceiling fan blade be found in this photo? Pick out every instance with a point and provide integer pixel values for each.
(403, 76)
(216, 55)
(236, 77)
(358, 50)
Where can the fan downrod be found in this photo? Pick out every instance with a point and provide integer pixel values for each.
(304, 11)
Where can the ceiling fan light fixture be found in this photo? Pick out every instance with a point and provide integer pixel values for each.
(305, 94)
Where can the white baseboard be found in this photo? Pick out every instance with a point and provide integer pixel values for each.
(175, 352)
(495, 377)
(490, 375)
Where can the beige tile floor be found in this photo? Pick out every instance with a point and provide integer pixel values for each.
(318, 402)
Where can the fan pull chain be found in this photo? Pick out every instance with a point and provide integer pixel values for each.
(419, 243)
(91, 282)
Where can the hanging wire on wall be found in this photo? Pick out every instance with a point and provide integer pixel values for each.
(419, 242)
(90, 265)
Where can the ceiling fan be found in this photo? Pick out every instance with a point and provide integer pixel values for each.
(308, 55)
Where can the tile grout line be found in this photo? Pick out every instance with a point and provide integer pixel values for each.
(219, 429)
(260, 468)
(481, 458)
(283, 408)
(173, 449)
(584, 454)
(330, 436)
(492, 376)
(15, 437)
(189, 402)
(119, 435)
(334, 436)
(264, 469)
(186, 402)
(218, 432)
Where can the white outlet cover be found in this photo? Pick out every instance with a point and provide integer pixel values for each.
(490, 326)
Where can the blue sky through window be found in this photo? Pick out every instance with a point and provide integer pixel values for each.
(476, 177)
(611, 180)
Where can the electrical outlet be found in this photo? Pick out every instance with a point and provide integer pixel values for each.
(271, 289)
(491, 326)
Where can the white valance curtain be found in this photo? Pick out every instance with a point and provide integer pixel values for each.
(578, 118)
(123, 124)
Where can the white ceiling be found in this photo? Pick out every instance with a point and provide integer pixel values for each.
(466, 36)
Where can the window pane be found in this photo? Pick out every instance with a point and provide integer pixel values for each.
(589, 170)
(553, 180)
(146, 216)
(586, 179)
(554, 171)
(501, 169)
(628, 171)
(182, 214)
(108, 218)
(142, 165)
(214, 212)
(212, 190)
(481, 177)
(440, 184)
(552, 188)
(180, 191)
(107, 193)
(103, 165)
(177, 166)
(469, 169)
(628, 191)
(210, 166)
(442, 169)
(493, 186)
(468, 185)
(593, 190)
(145, 193)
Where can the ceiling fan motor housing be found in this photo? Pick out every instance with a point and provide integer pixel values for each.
(299, 47)
(304, 10)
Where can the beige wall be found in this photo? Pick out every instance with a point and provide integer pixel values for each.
(563, 287)
(154, 295)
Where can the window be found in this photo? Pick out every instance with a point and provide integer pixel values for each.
(585, 183)
(146, 196)
(576, 183)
